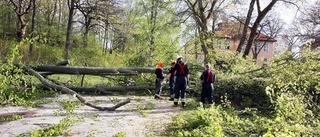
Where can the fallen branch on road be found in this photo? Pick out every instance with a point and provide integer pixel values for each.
(75, 94)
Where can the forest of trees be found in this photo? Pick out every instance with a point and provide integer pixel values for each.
(146, 27)
(139, 33)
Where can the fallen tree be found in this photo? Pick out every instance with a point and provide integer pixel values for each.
(75, 94)
(100, 71)
(105, 90)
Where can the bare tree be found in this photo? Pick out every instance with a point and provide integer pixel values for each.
(261, 14)
(290, 40)
(309, 25)
(202, 12)
(269, 29)
(69, 29)
(246, 26)
(32, 25)
(22, 8)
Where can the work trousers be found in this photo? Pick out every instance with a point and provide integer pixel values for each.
(158, 86)
(171, 87)
(207, 93)
(180, 86)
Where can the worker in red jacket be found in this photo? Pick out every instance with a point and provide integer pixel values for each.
(207, 78)
(181, 72)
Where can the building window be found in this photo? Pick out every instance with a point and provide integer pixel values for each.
(219, 44)
(258, 46)
(266, 47)
(227, 44)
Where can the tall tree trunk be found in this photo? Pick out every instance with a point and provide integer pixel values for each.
(86, 30)
(261, 15)
(21, 8)
(32, 26)
(201, 19)
(69, 29)
(246, 26)
(60, 14)
(22, 32)
(152, 23)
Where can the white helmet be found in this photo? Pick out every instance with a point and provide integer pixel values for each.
(179, 56)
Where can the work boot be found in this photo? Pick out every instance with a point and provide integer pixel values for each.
(171, 99)
(183, 104)
(156, 97)
(175, 104)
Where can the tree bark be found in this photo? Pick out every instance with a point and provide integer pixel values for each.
(22, 8)
(32, 26)
(106, 89)
(75, 94)
(246, 26)
(92, 70)
(201, 14)
(69, 28)
(261, 15)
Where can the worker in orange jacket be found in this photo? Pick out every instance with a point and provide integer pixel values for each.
(159, 79)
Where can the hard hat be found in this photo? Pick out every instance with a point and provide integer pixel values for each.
(173, 61)
(179, 56)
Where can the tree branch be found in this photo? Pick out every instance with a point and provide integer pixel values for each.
(75, 94)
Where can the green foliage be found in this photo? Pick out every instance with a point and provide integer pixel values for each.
(201, 122)
(242, 90)
(288, 86)
(143, 107)
(218, 121)
(10, 118)
(69, 106)
(55, 130)
(42, 54)
(121, 134)
(13, 88)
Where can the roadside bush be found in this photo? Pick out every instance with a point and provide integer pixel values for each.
(242, 91)
(290, 87)
(13, 88)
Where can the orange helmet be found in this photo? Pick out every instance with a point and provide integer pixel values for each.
(160, 64)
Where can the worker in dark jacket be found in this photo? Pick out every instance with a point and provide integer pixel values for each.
(181, 72)
(159, 79)
(170, 77)
(207, 78)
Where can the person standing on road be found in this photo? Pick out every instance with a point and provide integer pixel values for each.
(208, 79)
(181, 71)
(170, 77)
(159, 79)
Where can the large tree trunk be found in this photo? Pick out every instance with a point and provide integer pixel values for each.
(32, 26)
(104, 90)
(22, 8)
(201, 13)
(69, 28)
(92, 70)
(246, 26)
(261, 15)
(75, 94)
